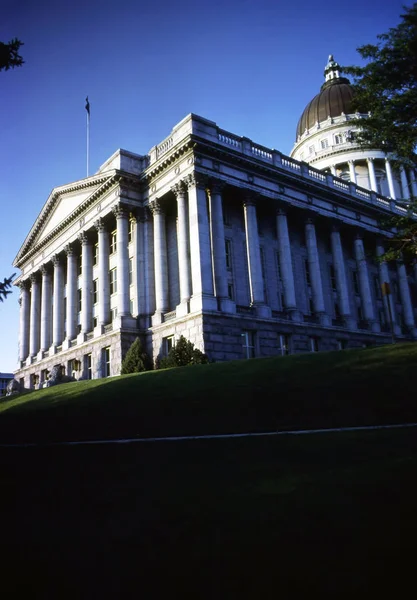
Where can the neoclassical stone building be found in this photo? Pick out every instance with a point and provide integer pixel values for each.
(241, 249)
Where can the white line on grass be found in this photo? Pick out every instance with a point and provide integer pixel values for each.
(213, 436)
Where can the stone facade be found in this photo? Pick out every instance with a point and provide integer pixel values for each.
(241, 249)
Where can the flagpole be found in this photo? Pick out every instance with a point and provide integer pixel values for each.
(87, 108)
(88, 142)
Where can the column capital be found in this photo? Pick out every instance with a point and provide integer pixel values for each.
(195, 180)
(310, 221)
(83, 238)
(155, 207)
(179, 189)
(24, 285)
(370, 159)
(335, 227)
(249, 198)
(215, 186)
(69, 249)
(56, 260)
(100, 225)
(120, 211)
(280, 212)
(45, 270)
(34, 278)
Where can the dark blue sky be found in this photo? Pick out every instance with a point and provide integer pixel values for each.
(249, 65)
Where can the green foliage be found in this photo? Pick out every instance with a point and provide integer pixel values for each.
(182, 354)
(9, 55)
(387, 87)
(4, 287)
(136, 360)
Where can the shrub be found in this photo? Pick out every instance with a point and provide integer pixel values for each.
(136, 360)
(182, 354)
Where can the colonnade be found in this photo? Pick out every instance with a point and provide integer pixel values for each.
(49, 318)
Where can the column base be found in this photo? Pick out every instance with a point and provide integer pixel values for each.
(183, 308)
(263, 311)
(81, 337)
(397, 330)
(350, 322)
(52, 350)
(41, 354)
(375, 326)
(201, 302)
(295, 315)
(29, 361)
(127, 322)
(157, 318)
(227, 305)
(66, 344)
(324, 319)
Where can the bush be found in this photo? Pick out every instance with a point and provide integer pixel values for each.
(183, 354)
(136, 360)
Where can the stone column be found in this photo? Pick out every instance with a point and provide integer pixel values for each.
(372, 177)
(201, 261)
(413, 183)
(58, 310)
(35, 302)
(180, 191)
(24, 320)
(46, 305)
(341, 281)
(218, 245)
(285, 266)
(315, 273)
(406, 298)
(161, 262)
(404, 184)
(86, 285)
(390, 179)
(256, 283)
(72, 277)
(103, 275)
(388, 301)
(333, 170)
(123, 288)
(364, 284)
(352, 172)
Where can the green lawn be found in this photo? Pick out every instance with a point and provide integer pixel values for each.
(326, 515)
(314, 390)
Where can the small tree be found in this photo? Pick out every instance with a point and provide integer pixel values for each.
(182, 354)
(9, 55)
(136, 360)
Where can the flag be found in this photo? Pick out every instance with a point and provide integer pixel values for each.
(87, 106)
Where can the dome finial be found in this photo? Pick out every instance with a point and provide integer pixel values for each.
(331, 70)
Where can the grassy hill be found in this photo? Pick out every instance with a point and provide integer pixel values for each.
(329, 515)
(353, 387)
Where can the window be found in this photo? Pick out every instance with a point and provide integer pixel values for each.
(95, 322)
(167, 344)
(95, 255)
(360, 312)
(88, 365)
(338, 138)
(314, 344)
(336, 308)
(324, 143)
(263, 270)
(307, 272)
(106, 362)
(226, 215)
(79, 300)
(311, 150)
(355, 280)
(95, 291)
(248, 343)
(378, 291)
(332, 273)
(228, 250)
(284, 344)
(230, 291)
(113, 242)
(130, 271)
(113, 281)
(130, 231)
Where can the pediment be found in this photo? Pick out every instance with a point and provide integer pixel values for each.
(64, 204)
(64, 207)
